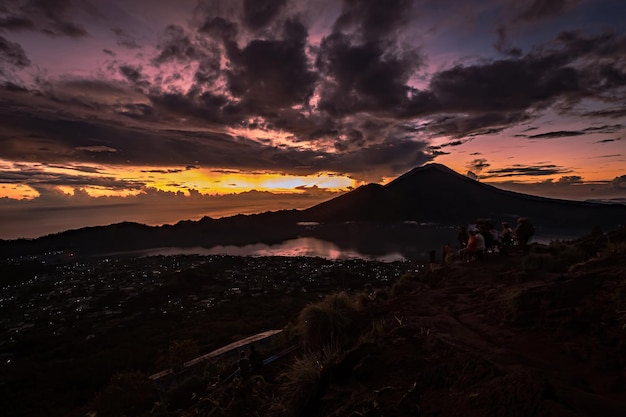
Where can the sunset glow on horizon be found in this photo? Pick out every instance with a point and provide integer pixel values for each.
(148, 110)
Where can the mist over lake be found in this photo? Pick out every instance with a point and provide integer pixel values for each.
(408, 241)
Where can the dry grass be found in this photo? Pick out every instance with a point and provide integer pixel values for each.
(329, 321)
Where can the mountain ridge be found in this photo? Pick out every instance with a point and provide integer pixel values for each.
(431, 193)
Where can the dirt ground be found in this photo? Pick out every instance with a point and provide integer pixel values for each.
(488, 339)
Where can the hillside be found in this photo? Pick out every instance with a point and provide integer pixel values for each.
(535, 335)
(490, 340)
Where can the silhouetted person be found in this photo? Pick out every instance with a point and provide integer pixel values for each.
(483, 230)
(472, 249)
(523, 233)
(445, 250)
(244, 366)
(256, 362)
(432, 255)
(481, 245)
(506, 238)
(462, 237)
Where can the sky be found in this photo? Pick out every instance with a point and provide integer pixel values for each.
(157, 111)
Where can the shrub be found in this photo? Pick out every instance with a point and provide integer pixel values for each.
(301, 381)
(556, 257)
(129, 393)
(378, 331)
(329, 321)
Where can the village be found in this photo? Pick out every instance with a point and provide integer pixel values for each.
(98, 293)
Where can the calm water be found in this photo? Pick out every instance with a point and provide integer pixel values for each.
(303, 246)
(377, 246)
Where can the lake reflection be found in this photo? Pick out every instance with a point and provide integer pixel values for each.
(303, 246)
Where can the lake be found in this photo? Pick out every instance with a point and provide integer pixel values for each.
(383, 245)
(302, 246)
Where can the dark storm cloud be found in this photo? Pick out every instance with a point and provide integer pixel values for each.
(134, 74)
(40, 180)
(180, 46)
(540, 77)
(203, 108)
(362, 65)
(504, 44)
(47, 16)
(268, 75)
(16, 23)
(364, 77)
(461, 125)
(259, 13)
(570, 133)
(361, 70)
(571, 68)
(526, 170)
(177, 46)
(373, 20)
(489, 87)
(532, 10)
(58, 138)
(253, 66)
(13, 54)
(612, 113)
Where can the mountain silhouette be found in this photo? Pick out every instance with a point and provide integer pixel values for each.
(435, 193)
(431, 193)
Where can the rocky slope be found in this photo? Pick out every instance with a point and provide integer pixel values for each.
(490, 339)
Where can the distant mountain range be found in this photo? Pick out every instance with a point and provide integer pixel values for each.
(429, 194)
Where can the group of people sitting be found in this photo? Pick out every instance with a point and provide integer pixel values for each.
(483, 237)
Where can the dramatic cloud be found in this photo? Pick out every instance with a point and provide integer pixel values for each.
(47, 16)
(551, 135)
(268, 75)
(540, 9)
(570, 133)
(477, 165)
(364, 89)
(259, 13)
(13, 54)
(520, 170)
(43, 180)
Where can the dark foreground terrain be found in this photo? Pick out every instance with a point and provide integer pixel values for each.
(490, 340)
(542, 334)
